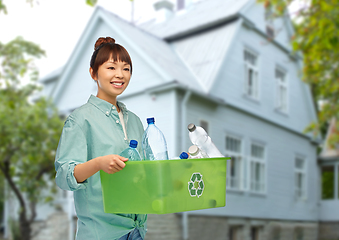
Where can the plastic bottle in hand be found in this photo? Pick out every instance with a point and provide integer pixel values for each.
(200, 138)
(131, 152)
(153, 142)
(195, 152)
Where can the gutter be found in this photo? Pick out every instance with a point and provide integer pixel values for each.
(183, 129)
(175, 85)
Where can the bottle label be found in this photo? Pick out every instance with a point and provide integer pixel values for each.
(196, 185)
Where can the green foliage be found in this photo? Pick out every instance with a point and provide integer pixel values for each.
(91, 2)
(16, 59)
(317, 38)
(3, 7)
(29, 130)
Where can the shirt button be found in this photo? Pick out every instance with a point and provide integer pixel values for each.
(113, 107)
(117, 121)
(107, 112)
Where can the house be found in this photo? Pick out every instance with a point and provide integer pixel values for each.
(329, 170)
(227, 66)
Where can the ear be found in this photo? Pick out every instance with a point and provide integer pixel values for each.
(95, 78)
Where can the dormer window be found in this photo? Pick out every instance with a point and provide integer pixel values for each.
(269, 17)
(251, 74)
(282, 92)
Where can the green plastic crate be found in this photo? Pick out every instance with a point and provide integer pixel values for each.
(168, 186)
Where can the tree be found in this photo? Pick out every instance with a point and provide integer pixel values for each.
(29, 131)
(317, 38)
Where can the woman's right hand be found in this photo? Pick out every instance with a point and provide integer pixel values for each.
(111, 163)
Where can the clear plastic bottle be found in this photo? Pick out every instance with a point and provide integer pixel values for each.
(131, 152)
(200, 138)
(154, 145)
(195, 152)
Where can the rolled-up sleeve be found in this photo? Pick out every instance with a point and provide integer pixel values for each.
(72, 150)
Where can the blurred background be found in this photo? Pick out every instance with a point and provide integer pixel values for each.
(261, 77)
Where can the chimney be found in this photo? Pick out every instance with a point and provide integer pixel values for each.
(163, 10)
(182, 4)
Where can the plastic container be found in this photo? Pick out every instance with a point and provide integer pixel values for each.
(160, 187)
(131, 152)
(154, 145)
(199, 137)
(195, 152)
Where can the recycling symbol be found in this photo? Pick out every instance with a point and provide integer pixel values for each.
(196, 185)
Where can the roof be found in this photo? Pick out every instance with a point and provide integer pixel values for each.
(198, 16)
(158, 51)
(328, 151)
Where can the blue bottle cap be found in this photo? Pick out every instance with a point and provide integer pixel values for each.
(133, 143)
(183, 155)
(150, 120)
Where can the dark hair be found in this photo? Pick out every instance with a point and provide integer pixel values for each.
(105, 49)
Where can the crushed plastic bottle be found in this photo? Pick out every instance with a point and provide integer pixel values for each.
(154, 143)
(199, 137)
(195, 152)
(131, 152)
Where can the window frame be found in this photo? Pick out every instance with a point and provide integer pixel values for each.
(302, 171)
(242, 164)
(255, 92)
(281, 85)
(269, 20)
(263, 166)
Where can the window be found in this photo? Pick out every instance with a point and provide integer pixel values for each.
(280, 77)
(251, 74)
(204, 125)
(298, 234)
(257, 168)
(327, 182)
(255, 233)
(234, 233)
(275, 233)
(300, 178)
(269, 17)
(234, 150)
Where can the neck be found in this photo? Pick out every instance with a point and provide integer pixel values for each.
(110, 99)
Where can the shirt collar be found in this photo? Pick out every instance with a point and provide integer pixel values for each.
(105, 106)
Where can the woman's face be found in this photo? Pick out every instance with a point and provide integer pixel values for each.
(112, 79)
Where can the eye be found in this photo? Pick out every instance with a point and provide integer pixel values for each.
(126, 69)
(112, 68)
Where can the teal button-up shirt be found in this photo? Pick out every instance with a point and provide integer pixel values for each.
(94, 130)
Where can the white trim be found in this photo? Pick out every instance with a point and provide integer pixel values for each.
(302, 193)
(262, 168)
(248, 66)
(279, 85)
(240, 181)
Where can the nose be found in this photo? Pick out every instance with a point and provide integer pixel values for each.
(118, 73)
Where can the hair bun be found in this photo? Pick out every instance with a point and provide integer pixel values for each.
(103, 40)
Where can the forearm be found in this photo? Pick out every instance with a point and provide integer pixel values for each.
(87, 169)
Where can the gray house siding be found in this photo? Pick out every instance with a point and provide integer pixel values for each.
(232, 90)
(281, 147)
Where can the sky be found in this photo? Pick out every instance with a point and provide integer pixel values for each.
(57, 25)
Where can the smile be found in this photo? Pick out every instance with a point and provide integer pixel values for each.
(117, 84)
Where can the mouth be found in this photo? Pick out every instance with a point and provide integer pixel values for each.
(117, 84)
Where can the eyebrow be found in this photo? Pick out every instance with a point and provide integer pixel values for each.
(116, 63)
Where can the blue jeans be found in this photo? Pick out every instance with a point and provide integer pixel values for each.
(133, 235)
